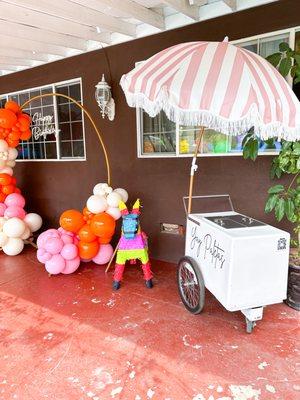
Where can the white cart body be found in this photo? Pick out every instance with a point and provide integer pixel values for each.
(244, 268)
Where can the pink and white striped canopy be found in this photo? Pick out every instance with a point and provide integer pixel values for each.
(217, 85)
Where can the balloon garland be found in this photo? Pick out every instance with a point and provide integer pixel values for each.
(16, 226)
(83, 235)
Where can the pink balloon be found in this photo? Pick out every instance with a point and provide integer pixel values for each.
(71, 266)
(55, 265)
(43, 256)
(104, 254)
(2, 209)
(53, 245)
(14, 211)
(66, 239)
(69, 251)
(15, 199)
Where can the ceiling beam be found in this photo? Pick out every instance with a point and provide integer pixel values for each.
(74, 19)
(23, 54)
(198, 3)
(15, 61)
(184, 7)
(231, 4)
(43, 21)
(40, 35)
(128, 9)
(7, 67)
(11, 42)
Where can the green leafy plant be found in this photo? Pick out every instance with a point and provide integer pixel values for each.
(287, 61)
(284, 201)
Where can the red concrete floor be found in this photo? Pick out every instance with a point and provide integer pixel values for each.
(71, 337)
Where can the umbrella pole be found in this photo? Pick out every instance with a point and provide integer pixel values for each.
(194, 167)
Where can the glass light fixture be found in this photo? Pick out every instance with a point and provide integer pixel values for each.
(104, 99)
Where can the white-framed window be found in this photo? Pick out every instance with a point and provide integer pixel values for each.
(57, 124)
(159, 137)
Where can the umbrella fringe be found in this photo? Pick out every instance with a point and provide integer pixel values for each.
(205, 118)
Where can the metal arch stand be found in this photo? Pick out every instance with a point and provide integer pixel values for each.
(194, 168)
(88, 116)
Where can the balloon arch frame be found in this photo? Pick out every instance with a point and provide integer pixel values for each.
(87, 114)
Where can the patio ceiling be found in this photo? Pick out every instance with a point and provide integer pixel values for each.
(34, 32)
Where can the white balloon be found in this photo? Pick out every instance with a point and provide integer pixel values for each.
(26, 234)
(2, 222)
(123, 193)
(3, 145)
(114, 212)
(3, 239)
(108, 189)
(113, 199)
(7, 170)
(33, 221)
(13, 247)
(99, 190)
(2, 163)
(96, 204)
(14, 227)
(12, 153)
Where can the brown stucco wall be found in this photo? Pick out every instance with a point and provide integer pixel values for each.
(52, 187)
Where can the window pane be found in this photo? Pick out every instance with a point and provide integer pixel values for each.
(77, 130)
(78, 148)
(271, 44)
(160, 123)
(65, 131)
(74, 91)
(251, 45)
(159, 143)
(65, 149)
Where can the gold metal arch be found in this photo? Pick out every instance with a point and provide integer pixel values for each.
(88, 116)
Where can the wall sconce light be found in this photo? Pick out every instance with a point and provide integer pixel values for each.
(104, 99)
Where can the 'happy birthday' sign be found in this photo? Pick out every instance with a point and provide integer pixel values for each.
(43, 126)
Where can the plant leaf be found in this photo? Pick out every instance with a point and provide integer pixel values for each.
(279, 209)
(284, 46)
(276, 189)
(274, 59)
(285, 66)
(271, 203)
(289, 210)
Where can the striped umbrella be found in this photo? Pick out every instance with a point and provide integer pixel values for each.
(215, 85)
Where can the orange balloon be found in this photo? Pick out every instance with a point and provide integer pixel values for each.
(24, 123)
(86, 235)
(86, 212)
(14, 135)
(2, 197)
(13, 180)
(104, 239)
(5, 179)
(8, 189)
(71, 220)
(88, 250)
(25, 135)
(103, 224)
(17, 190)
(7, 118)
(12, 106)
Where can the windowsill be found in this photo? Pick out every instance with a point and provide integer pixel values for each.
(240, 154)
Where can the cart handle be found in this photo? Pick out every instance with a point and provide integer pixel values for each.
(185, 198)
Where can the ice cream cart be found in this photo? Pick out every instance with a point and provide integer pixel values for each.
(243, 262)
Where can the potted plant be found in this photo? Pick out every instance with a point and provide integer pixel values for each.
(284, 201)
